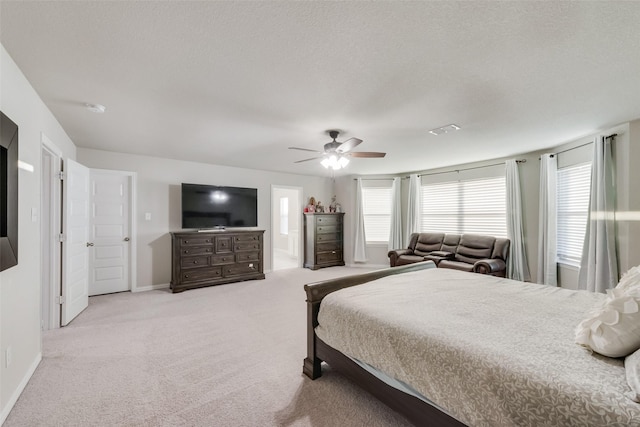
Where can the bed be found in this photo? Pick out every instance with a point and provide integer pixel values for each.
(450, 348)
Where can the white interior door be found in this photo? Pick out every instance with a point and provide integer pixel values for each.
(75, 253)
(110, 227)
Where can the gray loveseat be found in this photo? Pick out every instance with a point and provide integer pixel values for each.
(466, 252)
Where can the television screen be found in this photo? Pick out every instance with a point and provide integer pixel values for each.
(208, 206)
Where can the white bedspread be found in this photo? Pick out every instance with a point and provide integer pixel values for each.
(491, 352)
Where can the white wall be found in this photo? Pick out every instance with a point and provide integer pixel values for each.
(20, 285)
(159, 194)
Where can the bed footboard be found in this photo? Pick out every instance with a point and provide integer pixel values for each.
(318, 290)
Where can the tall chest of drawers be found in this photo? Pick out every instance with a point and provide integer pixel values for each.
(213, 258)
(323, 240)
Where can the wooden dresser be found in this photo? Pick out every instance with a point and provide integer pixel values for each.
(323, 240)
(212, 258)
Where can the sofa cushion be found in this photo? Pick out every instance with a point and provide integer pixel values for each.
(450, 243)
(428, 242)
(501, 249)
(473, 247)
(456, 265)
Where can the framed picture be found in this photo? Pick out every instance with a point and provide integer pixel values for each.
(8, 193)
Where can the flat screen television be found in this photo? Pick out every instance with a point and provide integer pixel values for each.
(209, 206)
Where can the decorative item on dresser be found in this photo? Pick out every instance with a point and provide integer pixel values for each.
(323, 240)
(212, 258)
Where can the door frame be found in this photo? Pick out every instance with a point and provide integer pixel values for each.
(275, 221)
(51, 250)
(133, 178)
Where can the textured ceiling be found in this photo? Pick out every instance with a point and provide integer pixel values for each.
(236, 83)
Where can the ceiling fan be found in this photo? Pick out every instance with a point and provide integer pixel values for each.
(336, 154)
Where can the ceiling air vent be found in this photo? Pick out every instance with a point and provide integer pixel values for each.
(444, 129)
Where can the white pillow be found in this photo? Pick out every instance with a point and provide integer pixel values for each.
(630, 280)
(632, 368)
(613, 330)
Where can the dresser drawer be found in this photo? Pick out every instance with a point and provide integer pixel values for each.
(223, 244)
(241, 268)
(188, 251)
(323, 229)
(329, 237)
(196, 241)
(324, 257)
(329, 246)
(328, 219)
(247, 238)
(247, 246)
(222, 259)
(201, 274)
(248, 256)
(194, 261)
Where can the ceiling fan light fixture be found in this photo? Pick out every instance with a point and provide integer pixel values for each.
(334, 162)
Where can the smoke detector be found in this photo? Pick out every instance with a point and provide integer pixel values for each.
(96, 108)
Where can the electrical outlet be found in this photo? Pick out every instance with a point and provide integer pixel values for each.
(8, 356)
(147, 216)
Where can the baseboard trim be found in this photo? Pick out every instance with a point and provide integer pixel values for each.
(151, 288)
(16, 394)
(364, 265)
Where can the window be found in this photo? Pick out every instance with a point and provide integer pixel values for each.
(573, 189)
(284, 215)
(474, 206)
(376, 209)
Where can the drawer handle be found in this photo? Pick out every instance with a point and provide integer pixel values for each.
(333, 252)
(186, 276)
(186, 241)
(195, 262)
(208, 241)
(208, 250)
(186, 252)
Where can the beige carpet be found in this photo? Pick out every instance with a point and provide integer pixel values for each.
(228, 355)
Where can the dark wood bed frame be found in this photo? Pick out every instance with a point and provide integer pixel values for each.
(416, 410)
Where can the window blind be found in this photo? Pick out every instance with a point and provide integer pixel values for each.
(376, 208)
(474, 206)
(573, 190)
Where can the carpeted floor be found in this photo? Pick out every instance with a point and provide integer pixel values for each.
(228, 355)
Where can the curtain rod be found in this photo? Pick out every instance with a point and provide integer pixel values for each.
(375, 179)
(467, 169)
(613, 135)
(438, 173)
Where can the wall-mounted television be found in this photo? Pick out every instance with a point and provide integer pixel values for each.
(210, 206)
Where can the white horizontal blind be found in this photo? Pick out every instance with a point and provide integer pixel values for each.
(376, 208)
(475, 206)
(574, 188)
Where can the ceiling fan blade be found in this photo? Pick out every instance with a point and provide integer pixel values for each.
(348, 145)
(306, 160)
(369, 154)
(304, 149)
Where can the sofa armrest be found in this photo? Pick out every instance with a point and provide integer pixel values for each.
(493, 266)
(396, 253)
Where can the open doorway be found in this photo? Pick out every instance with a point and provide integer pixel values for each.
(50, 229)
(286, 218)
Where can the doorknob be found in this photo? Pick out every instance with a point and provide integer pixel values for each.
(126, 239)
(89, 244)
